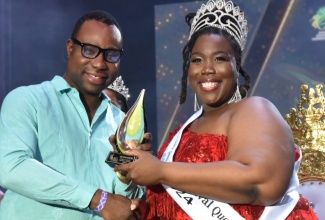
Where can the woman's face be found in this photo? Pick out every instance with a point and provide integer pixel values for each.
(212, 71)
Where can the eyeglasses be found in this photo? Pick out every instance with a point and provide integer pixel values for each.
(91, 52)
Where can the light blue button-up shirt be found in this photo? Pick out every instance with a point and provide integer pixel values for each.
(52, 160)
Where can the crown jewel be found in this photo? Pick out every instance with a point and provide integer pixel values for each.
(224, 15)
(308, 127)
(118, 86)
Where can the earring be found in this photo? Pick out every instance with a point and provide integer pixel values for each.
(196, 103)
(236, 96)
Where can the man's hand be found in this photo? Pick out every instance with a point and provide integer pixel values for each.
(146, 143)
(142, 206)
(117, 207)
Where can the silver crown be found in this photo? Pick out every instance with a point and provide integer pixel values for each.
(224, 15)
(118, 86)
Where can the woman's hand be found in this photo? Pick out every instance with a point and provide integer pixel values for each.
(144, 146)
(146, 170)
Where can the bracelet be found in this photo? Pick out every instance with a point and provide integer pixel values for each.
(120, 176)
(102, 201)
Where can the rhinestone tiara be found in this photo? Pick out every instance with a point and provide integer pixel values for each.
(224, 15)
(118, 86)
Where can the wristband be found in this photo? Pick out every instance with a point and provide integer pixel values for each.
(102, 201)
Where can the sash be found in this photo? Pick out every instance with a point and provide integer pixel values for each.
(198, 207)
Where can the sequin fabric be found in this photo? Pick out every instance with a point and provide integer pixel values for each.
(201, 148)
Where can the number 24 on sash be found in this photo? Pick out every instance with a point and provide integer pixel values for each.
(187, 198)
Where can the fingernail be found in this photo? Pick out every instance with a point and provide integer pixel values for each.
(133, 207)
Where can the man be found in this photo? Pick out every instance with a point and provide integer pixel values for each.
(54, 136)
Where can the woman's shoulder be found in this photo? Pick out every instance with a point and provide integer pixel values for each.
(255, 102)
(255, 99)
(254, 105)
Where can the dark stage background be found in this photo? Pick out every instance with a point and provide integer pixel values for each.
(285, 49)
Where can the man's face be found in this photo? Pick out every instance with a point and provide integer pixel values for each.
(91, 76)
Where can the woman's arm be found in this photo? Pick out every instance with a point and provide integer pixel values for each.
(258, 168)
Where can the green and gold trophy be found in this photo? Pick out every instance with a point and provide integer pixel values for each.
(129, 133)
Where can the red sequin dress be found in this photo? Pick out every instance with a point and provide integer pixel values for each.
(201, 148)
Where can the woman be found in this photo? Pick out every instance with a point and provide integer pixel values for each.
(118, 93)
(235, 157)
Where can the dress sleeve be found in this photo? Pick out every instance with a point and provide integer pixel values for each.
(20, 171)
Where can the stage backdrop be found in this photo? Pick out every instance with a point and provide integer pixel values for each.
(296, 56)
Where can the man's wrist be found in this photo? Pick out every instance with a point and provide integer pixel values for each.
(102, 201)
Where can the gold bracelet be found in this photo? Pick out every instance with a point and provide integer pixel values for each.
(120, 176)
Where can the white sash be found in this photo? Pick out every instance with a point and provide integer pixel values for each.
(198, 207)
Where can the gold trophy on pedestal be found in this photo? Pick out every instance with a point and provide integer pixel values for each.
(129, 133)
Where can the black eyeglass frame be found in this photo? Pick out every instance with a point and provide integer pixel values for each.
(100, 50)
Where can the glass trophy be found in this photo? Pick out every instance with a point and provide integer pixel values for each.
(129, 133)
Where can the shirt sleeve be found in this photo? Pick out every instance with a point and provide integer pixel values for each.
(130, 190)
(20, 171)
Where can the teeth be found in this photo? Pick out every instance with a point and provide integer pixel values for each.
(97, 77)
(209, 85)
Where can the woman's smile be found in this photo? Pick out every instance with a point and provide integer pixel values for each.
(209, 86)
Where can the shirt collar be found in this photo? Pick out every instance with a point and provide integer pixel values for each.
(62, 85)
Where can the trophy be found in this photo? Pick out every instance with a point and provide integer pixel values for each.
(130, 133)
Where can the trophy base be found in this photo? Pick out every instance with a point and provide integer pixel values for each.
(114, 158)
